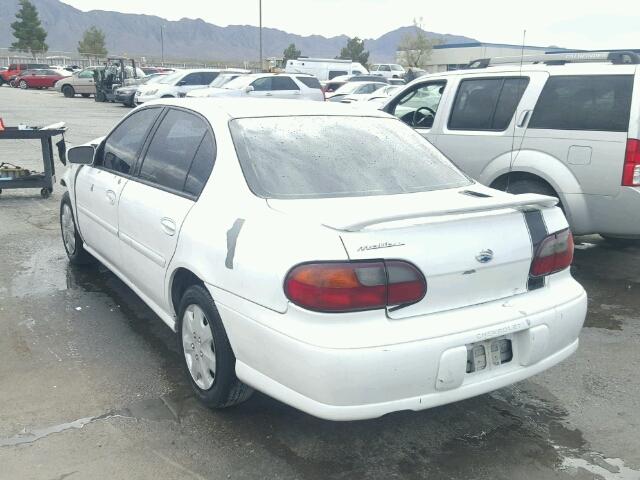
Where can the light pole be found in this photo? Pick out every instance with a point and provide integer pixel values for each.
(162, 43)
(260, 13)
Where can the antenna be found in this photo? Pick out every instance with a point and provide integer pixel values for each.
(515, 118)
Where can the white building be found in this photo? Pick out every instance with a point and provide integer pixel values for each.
(455, 56)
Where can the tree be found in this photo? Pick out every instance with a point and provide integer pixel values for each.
(29, 34)
(92, 43)
(355, 52)
(291, 53)
(415, 48)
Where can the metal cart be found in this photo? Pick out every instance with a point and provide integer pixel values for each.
(44, 181)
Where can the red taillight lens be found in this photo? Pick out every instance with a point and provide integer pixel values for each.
(354, 286)
(631, 169)
(555, 253)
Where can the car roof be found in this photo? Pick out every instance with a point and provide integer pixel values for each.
(260, 108)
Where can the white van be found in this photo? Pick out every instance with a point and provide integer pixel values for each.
(325, 69)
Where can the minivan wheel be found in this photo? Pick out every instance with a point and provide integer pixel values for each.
(207, 355)
(71, 240)
(68, 91)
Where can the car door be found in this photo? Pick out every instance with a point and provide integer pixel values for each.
(154, 205)
(98, 186)
(285, 87)
(84, 82)
(418, 106)
(481, 123)
(262, 87)
(195, 80)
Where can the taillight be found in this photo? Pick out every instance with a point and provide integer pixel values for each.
(555, 253)
(631, 169)
(354, 286)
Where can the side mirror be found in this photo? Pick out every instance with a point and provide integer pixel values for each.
(249, 89)
(181, 83)
(82, 155)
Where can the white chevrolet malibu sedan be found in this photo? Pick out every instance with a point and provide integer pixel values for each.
(328, 257)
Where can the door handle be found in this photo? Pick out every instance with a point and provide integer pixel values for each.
(524, 117)
(169, 226)
(268, 94)
(111, 196)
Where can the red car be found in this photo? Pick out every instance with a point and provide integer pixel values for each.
(37, 79)
(16, 69)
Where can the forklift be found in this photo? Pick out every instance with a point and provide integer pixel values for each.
(116, 72)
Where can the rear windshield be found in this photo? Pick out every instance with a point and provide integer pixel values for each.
(335, 156)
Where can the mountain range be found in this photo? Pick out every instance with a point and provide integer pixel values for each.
(134, 34)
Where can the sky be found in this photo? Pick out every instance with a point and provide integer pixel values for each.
(585, 24)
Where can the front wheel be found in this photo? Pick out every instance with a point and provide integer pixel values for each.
(68, 91)
(73, 244)
(23, 85)
(208, 359)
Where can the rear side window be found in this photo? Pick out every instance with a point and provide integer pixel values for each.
(585, 102)
(284, 83)
(486, 104)
(201, 167)
(170, 153)
(336, 73)
(124, 144)
(310, 82)
(207, 77)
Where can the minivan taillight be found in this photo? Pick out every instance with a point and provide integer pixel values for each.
(555, 253)
(354, 286)
(631, 169)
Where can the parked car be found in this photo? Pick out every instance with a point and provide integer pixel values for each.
(80, 83)
(177, 84)
(396, 81)
(269, 85)
(388, 70)
(41, 78)
(355, 88)
(220, 81)
(15, 69)
(324, 69)
(126, 95)
(395, 284)
(155, 70)
(379, 96)
(566, 125)
(332, 85)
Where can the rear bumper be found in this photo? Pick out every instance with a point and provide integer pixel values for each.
(359, 383)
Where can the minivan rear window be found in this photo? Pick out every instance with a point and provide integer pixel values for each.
(338, 156)
(584, 102)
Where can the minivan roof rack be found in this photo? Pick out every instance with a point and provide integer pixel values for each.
(619, 57)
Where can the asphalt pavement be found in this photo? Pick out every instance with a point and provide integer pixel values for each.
(91, 384)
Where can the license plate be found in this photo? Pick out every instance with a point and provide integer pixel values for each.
(488, 354)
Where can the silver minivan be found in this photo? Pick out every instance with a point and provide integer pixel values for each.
(566, 125)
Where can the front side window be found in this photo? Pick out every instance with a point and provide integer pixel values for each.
(122, 147)
(283, 83)
(172, 150)
(418, 107)
(193, 79)
(338, 156)
(262, 84)
(86, 74)
(585, 102)
(207, 77)
(487, 103)
(385, 68)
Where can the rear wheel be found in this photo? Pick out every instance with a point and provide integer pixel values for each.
(532, 186)
(73, 244)
(68, 91)
(208, 359)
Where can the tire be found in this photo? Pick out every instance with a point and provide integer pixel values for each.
(85, 95)
(75, 249)
(23, 85)
(167, 96)
(100, 97)
(68, 91)
(212, 375)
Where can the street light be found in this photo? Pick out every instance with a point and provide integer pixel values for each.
(162, 43)
(260, 13)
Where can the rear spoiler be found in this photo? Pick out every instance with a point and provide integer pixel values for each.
(524, 201)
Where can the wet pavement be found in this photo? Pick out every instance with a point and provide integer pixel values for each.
(91, 384)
